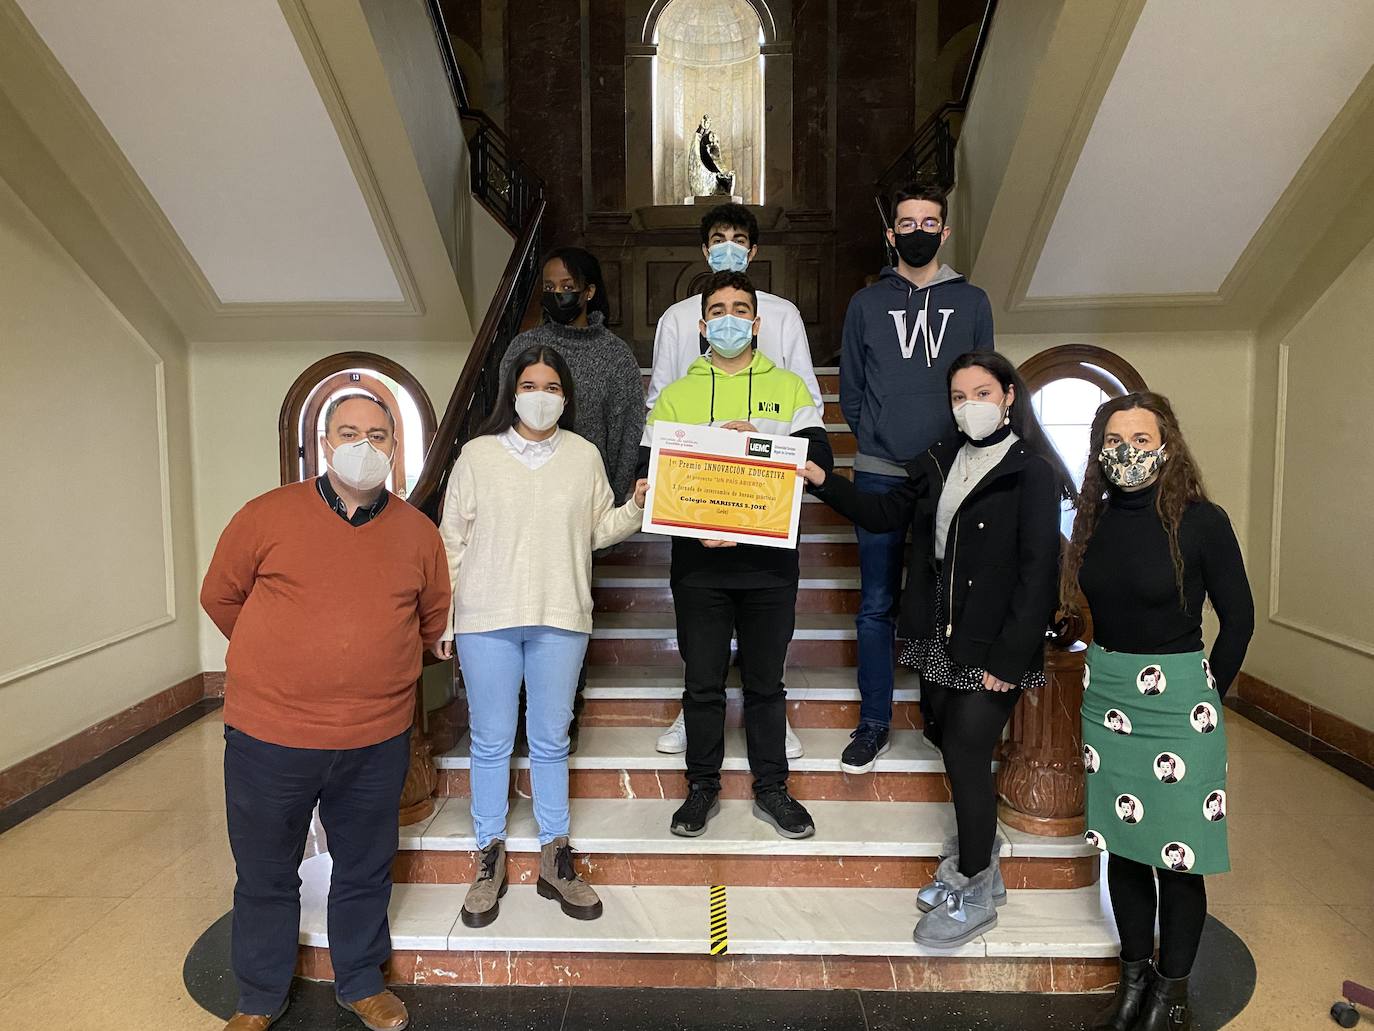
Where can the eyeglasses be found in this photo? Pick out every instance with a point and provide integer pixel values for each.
(910, 225)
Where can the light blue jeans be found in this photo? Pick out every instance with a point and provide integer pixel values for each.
(494, 663)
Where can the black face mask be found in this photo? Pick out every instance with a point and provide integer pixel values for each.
(563, 307)
(919, 247)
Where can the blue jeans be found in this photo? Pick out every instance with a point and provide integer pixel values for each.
(880, 584)
(494, 663)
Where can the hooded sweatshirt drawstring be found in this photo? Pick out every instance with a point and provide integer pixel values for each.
(749, 404)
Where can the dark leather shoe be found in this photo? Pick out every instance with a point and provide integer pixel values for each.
(1129, 1000)
(253, 1021)
(380, 1012)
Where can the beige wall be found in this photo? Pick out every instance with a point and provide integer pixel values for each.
(236, 396)
(1209, 378)
(1313, 501)
(98, 548)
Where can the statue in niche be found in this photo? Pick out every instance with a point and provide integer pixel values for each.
(706, 176)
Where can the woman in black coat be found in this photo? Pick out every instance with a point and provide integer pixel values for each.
(981, 590)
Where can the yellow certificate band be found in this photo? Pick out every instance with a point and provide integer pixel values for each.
(735, 495)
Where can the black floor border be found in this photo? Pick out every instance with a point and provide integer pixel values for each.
(1223, 983)
(36, 801)
(1313, 746)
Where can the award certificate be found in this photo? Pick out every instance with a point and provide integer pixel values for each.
(715, 484)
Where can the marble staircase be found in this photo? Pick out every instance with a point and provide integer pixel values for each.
(832, 911)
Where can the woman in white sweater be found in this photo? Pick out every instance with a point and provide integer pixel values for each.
(527, 504)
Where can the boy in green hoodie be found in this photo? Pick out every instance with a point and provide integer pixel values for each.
(722, 590)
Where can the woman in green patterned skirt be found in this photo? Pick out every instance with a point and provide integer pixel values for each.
(1148, 549)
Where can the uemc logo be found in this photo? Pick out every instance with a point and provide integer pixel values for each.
(759, 448)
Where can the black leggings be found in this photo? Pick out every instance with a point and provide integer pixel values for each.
(970, 725)
(1182, 905)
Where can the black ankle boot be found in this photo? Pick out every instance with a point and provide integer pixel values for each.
(1129, 999)
(1166, 1006)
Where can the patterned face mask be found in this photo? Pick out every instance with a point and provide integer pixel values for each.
(1127, 466)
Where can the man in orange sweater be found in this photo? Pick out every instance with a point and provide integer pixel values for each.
(328, 592)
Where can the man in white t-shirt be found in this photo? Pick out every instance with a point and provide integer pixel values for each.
(729, 241)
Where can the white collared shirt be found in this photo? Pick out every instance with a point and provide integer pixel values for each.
(532, 453)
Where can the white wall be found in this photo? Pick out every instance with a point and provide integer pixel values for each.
(1313, 502)
(97, 546)
(236, 396)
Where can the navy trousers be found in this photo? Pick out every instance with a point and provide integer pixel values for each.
(270, 792)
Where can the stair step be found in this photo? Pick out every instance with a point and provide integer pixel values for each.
(645, 576)
(618, 826)
(811, 626)
(816, 697)
(831, 544)
(675, 920)
(627, 841)
(632, 748)
(803, 684)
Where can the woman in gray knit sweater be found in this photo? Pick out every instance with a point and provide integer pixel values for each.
(610, 393)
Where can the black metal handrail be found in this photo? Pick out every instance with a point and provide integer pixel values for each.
(930, 156)
(515, 196)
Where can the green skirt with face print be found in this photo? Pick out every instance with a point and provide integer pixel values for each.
(1154, 755)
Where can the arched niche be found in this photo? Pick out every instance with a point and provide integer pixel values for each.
(775, 22)
(649, 33)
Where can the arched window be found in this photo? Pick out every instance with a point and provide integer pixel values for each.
(301, 422)
(709, 62)
(1068, 383)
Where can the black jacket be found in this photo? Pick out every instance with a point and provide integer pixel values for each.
(1001, 561)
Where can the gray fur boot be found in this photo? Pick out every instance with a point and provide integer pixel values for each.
(933, 894)
(969, 909)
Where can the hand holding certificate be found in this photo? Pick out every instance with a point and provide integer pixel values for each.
(719, 484)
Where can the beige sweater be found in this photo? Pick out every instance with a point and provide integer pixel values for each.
(520, 540)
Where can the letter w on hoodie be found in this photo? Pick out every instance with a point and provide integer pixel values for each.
(899, 342)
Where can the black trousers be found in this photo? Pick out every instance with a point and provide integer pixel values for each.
(270, 792)
(971, 724)
(1180, 901)
(762, 619)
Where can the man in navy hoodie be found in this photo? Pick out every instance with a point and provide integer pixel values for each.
(900, 336)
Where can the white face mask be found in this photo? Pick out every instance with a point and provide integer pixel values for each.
(978, 419)
(360, 465)
(538, 409)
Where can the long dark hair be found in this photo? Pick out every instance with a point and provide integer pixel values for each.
(1023, 421)
(503, 415)
(1180, 484)
(585, 271)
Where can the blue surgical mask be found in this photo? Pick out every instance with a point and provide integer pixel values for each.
(728, 257)
(729, 335)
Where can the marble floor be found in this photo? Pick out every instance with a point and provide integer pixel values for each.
(103, 894)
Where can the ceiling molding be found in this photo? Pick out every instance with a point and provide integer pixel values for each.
(1331, 175)
(1085, 113)
(66, 127)
(299, 22)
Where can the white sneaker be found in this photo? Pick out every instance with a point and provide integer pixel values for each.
(794, 745)
(673, 741)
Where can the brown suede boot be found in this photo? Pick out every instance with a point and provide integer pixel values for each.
(380, 1012)
(483, 902)
(558, 880)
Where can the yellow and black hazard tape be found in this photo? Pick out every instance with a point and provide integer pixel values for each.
(720, 931)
